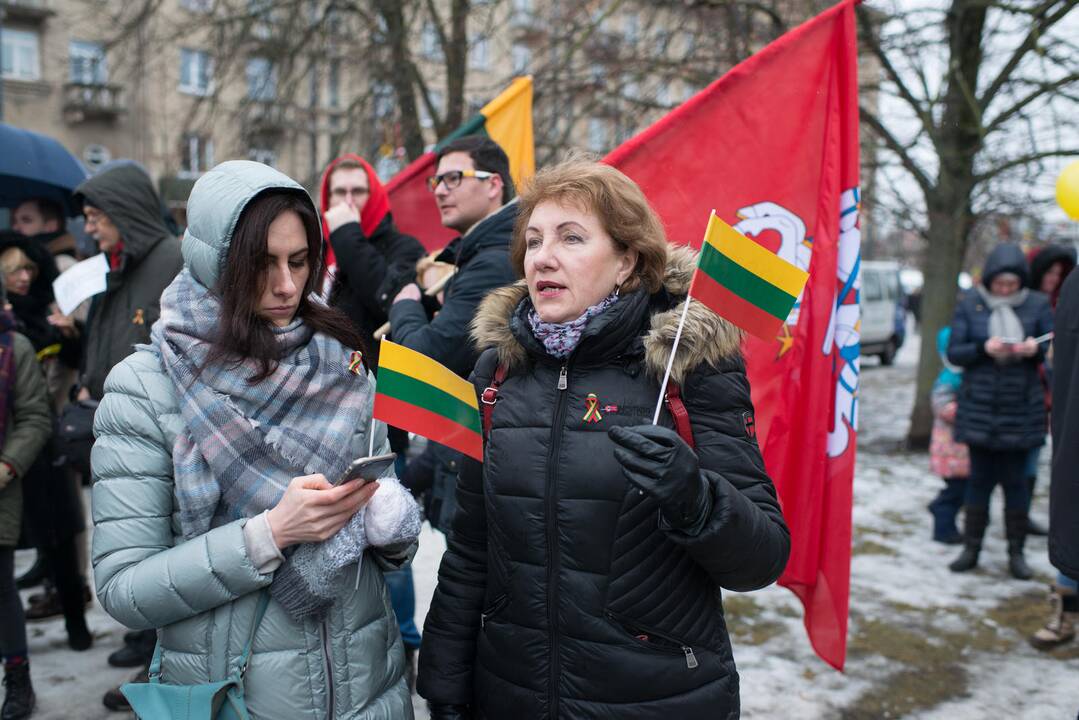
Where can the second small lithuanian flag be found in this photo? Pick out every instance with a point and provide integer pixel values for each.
(744, 282)
(415, 393)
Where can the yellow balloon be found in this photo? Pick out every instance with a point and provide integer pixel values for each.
(1068, 190)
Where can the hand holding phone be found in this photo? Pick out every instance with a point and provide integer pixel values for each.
(367, 468)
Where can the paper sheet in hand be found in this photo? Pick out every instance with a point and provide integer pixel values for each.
(80, 281)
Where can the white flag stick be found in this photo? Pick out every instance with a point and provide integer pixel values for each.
(677, 337)
(1042, 338)
(670, 360)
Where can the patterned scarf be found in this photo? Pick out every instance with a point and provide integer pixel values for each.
(244, 443)
(561, 338)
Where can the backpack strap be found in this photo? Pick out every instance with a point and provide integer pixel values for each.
(490, 396)
(677, 408)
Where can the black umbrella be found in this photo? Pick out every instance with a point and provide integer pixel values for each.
(34, 165)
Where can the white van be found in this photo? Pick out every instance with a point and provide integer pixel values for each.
(883, 310)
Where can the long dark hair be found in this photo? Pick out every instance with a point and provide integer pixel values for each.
(242, 334)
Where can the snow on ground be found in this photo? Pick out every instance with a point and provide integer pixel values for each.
(924, 643)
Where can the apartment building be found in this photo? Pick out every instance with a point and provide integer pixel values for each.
(293, 83)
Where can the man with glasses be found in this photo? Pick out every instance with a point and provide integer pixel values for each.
(473, 190)
(365, 246)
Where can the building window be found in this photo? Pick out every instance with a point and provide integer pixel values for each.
(522, 57)
(87, 63)
(479, 57)
(196, 72)
(597, 135)
(261, 79)
(266, 156)
(384, 100)
(20, 51)
(425, 117)
(429, 44)
(196, 155)
(312, 87)
(333, 82)
(632, 28)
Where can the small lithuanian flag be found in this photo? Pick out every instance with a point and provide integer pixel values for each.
(744, 282)
(415, 393)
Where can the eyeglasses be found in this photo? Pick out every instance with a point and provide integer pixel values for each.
(345, 192)
(453, 178)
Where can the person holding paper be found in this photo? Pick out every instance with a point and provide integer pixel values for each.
(123, 215)
(584, 571)
(219, 450)
(1001, 414)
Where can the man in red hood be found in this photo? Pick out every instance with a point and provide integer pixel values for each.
(365, 245)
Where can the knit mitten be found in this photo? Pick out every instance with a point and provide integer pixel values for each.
(392, 517)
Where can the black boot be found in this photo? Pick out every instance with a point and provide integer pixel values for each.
(1015, 528)
(137, 650)
(975, 521)
(18, 693)
(1033, 527)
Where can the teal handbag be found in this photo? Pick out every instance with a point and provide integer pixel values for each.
(222, 700)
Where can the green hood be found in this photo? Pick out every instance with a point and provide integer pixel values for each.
(126, 195)
(214, 207)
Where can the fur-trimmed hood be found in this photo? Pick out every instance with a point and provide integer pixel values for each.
(706, 339)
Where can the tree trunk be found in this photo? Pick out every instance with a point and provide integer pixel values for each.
(959, 138)
(401, 78)
(943, 262)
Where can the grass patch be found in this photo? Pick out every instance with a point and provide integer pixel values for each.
(871, 547)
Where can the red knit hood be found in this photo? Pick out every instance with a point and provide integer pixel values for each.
(378, 201)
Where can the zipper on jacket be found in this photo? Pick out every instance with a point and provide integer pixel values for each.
(554, 556)
(648, 637)
(327, 660)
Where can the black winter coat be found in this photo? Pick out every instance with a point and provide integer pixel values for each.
(122, 316)
(362, 267)
(482, 260)
(1001, 405)
(559, 595)
(1064, 489)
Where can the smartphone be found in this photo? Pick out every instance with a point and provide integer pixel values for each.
(367, 468)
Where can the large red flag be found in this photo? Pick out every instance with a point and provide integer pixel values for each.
(773, 147)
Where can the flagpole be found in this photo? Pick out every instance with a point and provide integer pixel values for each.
(670, 360)
(677, 337)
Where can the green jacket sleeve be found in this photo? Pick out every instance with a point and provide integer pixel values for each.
(144, 578)
(31, 420)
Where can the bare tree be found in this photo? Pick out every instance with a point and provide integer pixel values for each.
(989, 93)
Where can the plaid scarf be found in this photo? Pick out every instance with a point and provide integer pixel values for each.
(244, 443)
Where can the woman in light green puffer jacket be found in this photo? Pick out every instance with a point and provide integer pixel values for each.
(213, 447)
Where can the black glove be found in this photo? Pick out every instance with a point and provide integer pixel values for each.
(659, 462)
(449, 712)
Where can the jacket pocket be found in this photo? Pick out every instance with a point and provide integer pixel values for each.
(494, 608)
(653, 639)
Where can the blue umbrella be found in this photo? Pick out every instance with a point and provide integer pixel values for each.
(34, 165)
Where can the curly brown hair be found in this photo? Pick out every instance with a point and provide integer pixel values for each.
(616, 201)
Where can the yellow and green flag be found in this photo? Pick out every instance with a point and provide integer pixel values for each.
(415, 393)
(507, 120)
(744, 282)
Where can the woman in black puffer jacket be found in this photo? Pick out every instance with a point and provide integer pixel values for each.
(584, 571)
(1001, 413)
